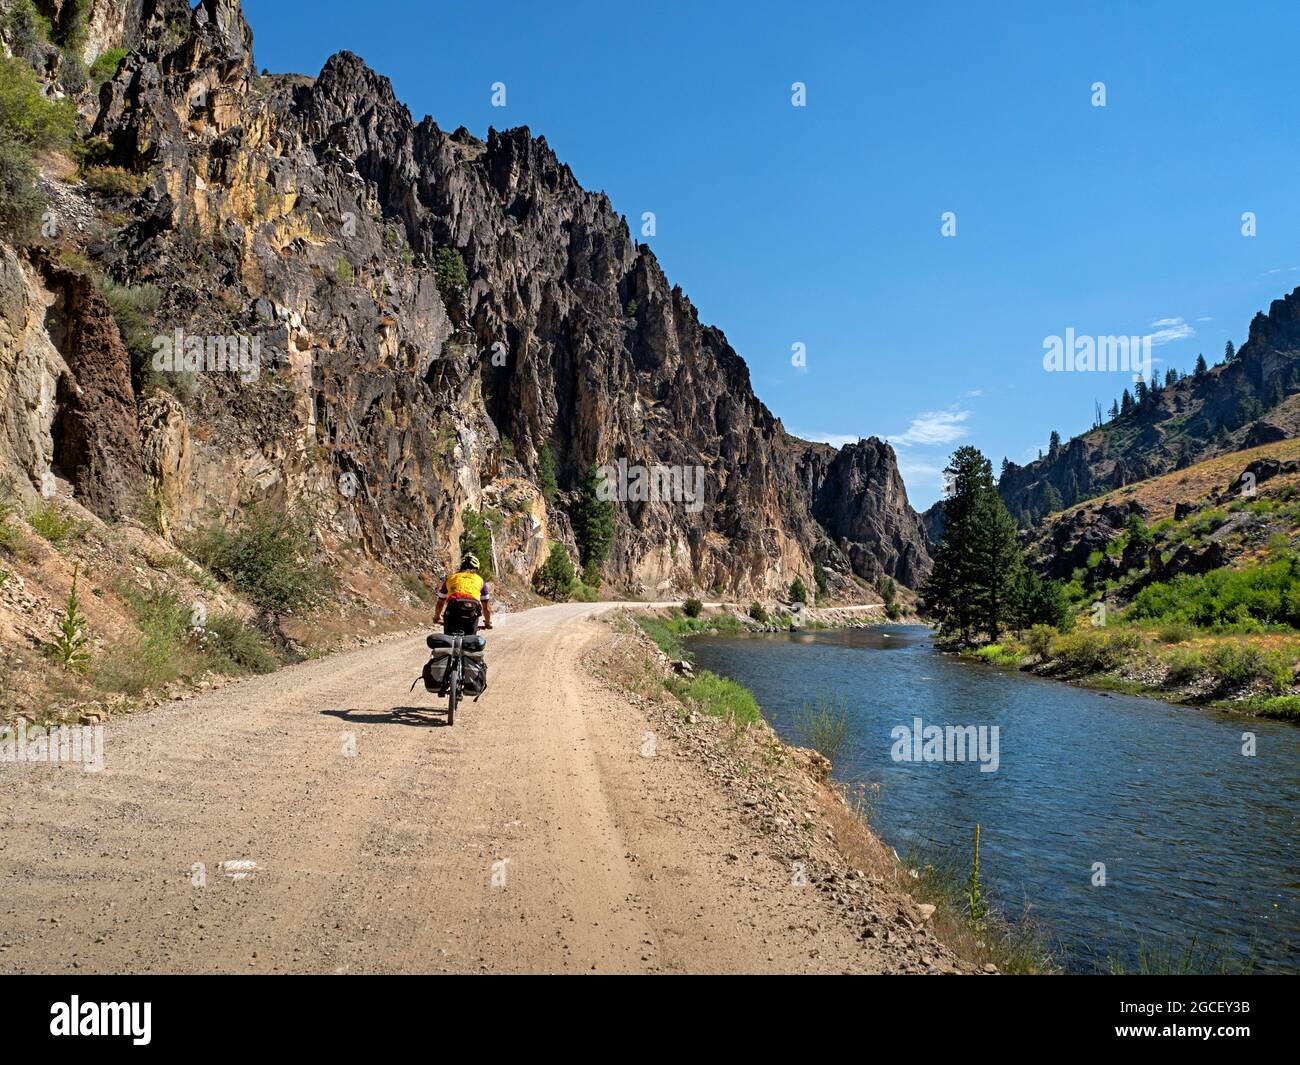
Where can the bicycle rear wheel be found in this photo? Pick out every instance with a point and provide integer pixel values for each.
(453, 696)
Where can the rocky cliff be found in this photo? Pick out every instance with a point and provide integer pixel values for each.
(1251, 400)
(308, 235)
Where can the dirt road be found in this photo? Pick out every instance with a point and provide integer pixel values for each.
(366, 836)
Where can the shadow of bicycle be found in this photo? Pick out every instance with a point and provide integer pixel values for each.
(415, 716)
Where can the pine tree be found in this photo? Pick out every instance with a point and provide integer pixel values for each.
(555, 578)
(546, 479)
(999, 568)
(1229, 352)
(1126, 403)
(971, 588)
(1052, 501)
(1114, 410)
(1140, 391)
(798, 593)
(1201, 368)
(1053, 444)
(1171, 377)
(593, 519)
(476, 539)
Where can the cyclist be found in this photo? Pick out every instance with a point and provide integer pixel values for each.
(464, 595)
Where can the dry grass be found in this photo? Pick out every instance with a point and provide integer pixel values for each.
(1160, 494)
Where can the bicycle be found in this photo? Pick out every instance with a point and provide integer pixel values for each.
(444, 673)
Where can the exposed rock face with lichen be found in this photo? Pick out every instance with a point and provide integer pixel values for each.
(311, 215)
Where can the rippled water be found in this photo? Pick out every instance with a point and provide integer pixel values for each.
(1197, 839)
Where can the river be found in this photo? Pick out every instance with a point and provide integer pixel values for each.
(1198, 839)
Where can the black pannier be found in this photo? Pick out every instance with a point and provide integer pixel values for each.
(473, 669)
(475, 675)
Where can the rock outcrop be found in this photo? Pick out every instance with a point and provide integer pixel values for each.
(316, 222)
(1251, 400)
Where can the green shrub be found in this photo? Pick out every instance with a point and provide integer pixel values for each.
(719, 697)
(29, 122)
(662, 634)
(1085, 651)
(692, 608)
(167, 646)
(7, 503)
(1284, 707)
(271, 559)
(1227, 599)
(73, 75)
(420, 591)
(449, 272)
(798, 593)
(580, 592)
(133, 307)
(114, 181)
(28, 115)
(56, 526)
(592, 576)
(344, 271)
(1183, 667)
(1039, 641)
(1175, 632)
(70, 30)
(234, 646)
(21, 204)
(823, 726)
(1235, 664)
(998, 655)
(27, 29)
(556, 577)
(106, 64)
(758, 612)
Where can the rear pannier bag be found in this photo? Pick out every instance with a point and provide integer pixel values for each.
(474, 669)
(475, 674)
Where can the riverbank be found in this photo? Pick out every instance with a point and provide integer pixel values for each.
(804, 816)
(1253, 675)
(1102, 814)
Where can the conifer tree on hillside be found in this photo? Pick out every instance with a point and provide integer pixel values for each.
(972, 588)
(593, 520)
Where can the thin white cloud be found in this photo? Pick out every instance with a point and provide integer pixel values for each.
(933, 427)
(919, 472)
(1167, 330)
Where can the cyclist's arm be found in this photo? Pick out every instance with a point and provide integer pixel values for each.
(441, 605)
(486, 599)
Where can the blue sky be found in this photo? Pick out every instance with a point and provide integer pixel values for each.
(821, 225)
